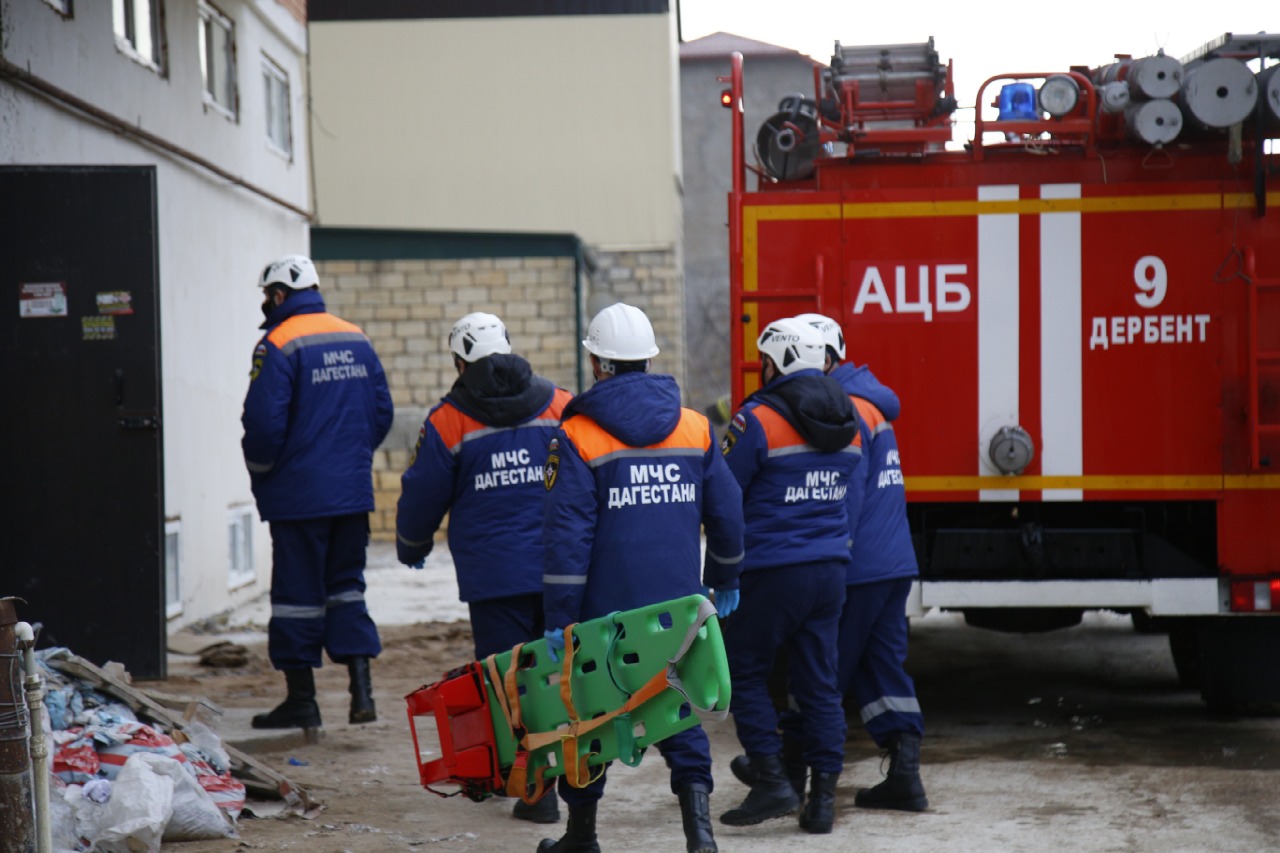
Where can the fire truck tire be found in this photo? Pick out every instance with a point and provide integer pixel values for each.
(1238, 672)
(1184, 646)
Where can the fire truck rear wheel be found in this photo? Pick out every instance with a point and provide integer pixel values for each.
(1238, 672)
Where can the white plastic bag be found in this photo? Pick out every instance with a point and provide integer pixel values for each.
(153, 798)
(196, 817)
(133, 820)
(62, 818)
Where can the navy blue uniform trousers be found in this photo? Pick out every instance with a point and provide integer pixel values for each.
(873, 656)
(317, 592)
(795, 609)
(498, 624)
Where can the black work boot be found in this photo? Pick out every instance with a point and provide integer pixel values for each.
(902, 788)
(545, 810)
(792, 764)
(819, 812)
(362, 707)
(695, 812)
(771, 796)
(580, 833)
(299, 709)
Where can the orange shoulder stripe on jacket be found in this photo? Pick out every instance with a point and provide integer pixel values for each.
(302, 325)
(692, 433)
(777, 432)
(870, 413)
(559, 399)
(453, 425)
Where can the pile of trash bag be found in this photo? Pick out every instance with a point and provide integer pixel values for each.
(121, 784)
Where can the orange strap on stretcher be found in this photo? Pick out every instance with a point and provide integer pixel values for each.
(576, 769)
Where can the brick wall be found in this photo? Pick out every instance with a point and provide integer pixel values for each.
(407, 308)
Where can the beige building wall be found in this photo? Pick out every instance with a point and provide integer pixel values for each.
(564, 123)
(549, 124)
(407, 308)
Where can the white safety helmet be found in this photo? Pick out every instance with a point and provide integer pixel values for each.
(295, 272)
(478, 335)
(621, 333)
(832, 335)
(793, 345)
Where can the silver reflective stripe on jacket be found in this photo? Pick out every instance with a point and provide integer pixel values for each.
(481, 433)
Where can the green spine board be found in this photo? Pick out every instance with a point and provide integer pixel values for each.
(616, 655)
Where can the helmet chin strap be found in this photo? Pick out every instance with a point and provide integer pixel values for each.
(606, 367)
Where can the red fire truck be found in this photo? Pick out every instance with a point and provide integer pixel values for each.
(1080, 310)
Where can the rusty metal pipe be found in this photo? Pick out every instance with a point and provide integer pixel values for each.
(16, 811)
(34, 684)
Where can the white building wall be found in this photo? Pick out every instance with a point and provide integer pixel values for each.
(214, 236)
(557, 123)
(79, 55)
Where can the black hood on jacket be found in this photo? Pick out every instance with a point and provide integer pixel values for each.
(501, 390)
(816, 406)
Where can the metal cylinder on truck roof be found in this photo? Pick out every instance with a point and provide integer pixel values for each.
(1148, 78)
(1113, 73)
(1155, 77)
(1219, 93)
(1156, 122)
(1114, 97)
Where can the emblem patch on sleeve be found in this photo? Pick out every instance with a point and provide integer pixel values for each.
(726, 443)
(737, 427)
(259, 353)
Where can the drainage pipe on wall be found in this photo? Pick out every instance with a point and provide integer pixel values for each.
(16, 813)
(34, 684)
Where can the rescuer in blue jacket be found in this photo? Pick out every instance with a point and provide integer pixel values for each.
(631, 478)
(873, 627)
(480, 457)
(794, 448)
(317, 408)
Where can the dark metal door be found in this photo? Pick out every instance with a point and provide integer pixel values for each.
(82, 454)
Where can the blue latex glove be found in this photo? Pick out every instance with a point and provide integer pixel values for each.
(555, 643)
(726, 600)
(420, 563)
